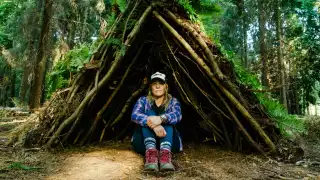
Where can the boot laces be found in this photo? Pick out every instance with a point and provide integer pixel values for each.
(165, 156)
(151, 156)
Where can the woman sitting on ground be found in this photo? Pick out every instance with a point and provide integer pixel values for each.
(156, 115)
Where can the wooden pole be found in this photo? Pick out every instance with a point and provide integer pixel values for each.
(237, 104)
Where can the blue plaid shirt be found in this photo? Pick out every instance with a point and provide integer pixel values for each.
(172, 113)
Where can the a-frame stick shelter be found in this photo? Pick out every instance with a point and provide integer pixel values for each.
(145, 38)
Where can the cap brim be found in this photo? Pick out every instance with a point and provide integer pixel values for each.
(157, 79)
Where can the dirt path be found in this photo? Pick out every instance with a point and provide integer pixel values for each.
(99, 164)
(116, 160)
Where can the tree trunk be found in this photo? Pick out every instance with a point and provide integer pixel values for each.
(71, 34)
(2, 90)
(36, 88)
(12, 87)
(24, 82)
(281, 68)
(245, 37)
(263, 52)
(296, 100)
(83, 35)
(30, 57)
(6, 96)
(244, 45)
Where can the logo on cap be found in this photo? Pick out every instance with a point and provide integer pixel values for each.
(158, 75)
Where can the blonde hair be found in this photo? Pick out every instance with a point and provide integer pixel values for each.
(167, 96)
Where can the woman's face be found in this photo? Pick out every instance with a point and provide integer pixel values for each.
(158, 89)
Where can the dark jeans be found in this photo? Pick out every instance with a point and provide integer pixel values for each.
(141, 133)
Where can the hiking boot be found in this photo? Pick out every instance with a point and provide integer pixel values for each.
(165, 161)
(151, 163)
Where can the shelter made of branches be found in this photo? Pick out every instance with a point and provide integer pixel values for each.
(146, 38)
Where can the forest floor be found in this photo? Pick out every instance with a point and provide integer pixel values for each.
(116, 160)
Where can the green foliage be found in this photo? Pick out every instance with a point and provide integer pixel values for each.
(206, 6)
(72, 62)
(18, 165)
(186, 5)
(114, 41)
(304, 49)
(111, 19)
(289, 125)
(207, 13)
(5, 12)
(121, 3)
(118, 44)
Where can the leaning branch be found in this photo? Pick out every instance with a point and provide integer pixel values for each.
(104, 80)
(114, 93)
(200, 41)
(238, 105)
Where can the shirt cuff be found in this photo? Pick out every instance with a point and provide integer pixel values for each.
(144, 122)
(164, 119)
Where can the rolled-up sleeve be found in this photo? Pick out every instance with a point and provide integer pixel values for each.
(138, 115)
(174, 115)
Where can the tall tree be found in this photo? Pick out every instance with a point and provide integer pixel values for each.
(31, 33)
(37, 85)
(243, 21)
(262, 37)
(281, 68)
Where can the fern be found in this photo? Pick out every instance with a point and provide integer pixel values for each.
(186, 5)
(123, 50)
(113, 41)
(289, 125)
(72, 62)
(121, 3)
(111, 19)
(118, 44)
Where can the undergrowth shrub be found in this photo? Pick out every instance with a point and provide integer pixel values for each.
(312, 124)
(288, 124)
(69, 65)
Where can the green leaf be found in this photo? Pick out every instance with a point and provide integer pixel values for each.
(18, 165)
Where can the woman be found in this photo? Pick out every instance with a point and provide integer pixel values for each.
(156, 115)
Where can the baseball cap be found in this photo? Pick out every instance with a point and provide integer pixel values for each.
(158, 76)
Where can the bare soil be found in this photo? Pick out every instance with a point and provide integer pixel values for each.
(116, 160)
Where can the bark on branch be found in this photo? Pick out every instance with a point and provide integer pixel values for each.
(104, 80)
(232, 99)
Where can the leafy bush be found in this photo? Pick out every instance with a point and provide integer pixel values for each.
(288, 124)
(186, 5)
(71, 63)
(121, 3)
(312, 124)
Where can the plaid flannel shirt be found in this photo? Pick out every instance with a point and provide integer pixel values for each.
(172, 113)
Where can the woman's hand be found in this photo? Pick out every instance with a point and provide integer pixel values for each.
(154, 121)
(160, 131)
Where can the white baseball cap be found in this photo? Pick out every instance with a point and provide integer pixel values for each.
(159, 76)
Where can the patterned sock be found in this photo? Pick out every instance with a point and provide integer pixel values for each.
(150, 143)
(165, 145)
